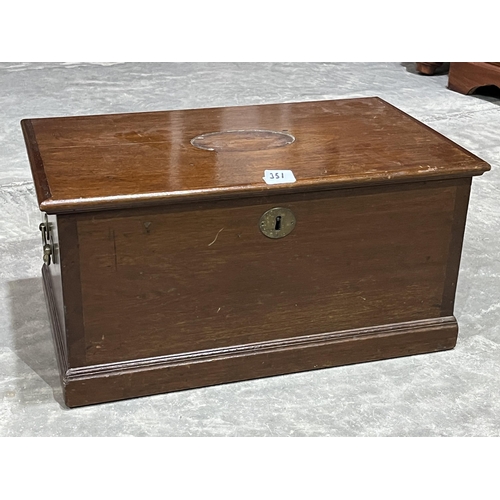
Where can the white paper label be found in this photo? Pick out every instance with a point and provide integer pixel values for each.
(278, 176)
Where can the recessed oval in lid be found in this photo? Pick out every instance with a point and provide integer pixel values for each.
(242, 140)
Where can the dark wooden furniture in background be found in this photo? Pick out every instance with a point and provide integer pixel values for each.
(428, 68)
(466, 77)
(160, 278)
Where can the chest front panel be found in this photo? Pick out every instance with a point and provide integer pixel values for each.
(200, 277)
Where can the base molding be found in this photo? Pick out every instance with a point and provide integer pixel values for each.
(127, 379)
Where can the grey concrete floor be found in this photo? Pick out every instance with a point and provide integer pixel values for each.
(454, 393)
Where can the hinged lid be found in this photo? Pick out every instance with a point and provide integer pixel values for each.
(87, 163)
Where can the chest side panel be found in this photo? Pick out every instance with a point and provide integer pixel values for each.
(172, 280)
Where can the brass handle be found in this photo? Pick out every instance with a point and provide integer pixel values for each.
(47, 248)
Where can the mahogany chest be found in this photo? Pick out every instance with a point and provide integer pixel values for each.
(197, 247)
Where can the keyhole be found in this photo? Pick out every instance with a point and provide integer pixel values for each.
(277, 222)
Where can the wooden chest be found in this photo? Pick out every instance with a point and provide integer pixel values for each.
(189, 248)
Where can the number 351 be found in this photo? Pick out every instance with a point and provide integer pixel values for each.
(276, 175)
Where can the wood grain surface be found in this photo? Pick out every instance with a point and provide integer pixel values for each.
(140, 159)
(165, 374)
(142, 377)
(169, 280)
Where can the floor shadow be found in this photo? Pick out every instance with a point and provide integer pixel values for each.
(32, 334)
(490, 93)
(411, 67)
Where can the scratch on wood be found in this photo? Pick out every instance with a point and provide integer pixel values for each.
(215, 239)
(114, 250)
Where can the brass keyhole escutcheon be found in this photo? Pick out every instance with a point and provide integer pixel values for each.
(277, 222)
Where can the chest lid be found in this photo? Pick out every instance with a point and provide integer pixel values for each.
(84, 163)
